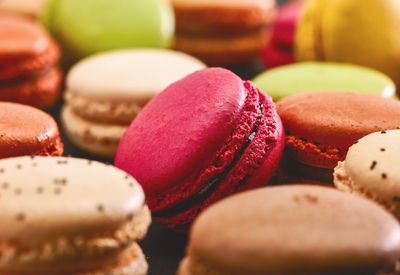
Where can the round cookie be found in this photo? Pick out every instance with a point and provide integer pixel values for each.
(63, 219)
(369, 37)
(321, 126)
(297, 229)
(323, 76)
(106, 91)
(223, 32)
(25, 130)
(203, 138)
(93, 26)
(371, 169)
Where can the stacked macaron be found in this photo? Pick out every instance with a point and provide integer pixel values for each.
(281, 50)
(28, 63)
(70, 216)
(31, 8)
(105, 92)
(223, 32)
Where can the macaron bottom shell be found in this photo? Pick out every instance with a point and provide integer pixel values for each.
(97, 138)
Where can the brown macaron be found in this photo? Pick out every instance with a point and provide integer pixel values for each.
(223, 32)
(297, 229)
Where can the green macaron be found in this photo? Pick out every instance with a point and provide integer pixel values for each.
(87, 27)
(323, 76)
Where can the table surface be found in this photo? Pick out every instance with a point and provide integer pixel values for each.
(163, 247)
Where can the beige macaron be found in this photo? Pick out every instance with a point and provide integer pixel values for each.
(372, 170)
(70, 216)
(295, 229)
(106, 91)
(26, 7)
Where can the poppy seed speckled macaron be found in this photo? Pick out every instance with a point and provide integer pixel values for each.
(70, 216)
(371, 169)
(321, 126)
(105, 92)
(25, 130)
(203, 138)
(295, 229)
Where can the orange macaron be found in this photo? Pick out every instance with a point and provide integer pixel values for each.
(28, 63)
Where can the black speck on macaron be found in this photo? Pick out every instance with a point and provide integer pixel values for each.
(373, 165)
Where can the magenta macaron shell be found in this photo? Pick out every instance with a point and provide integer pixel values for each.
(203, 138)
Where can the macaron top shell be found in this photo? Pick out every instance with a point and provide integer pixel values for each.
(127, 74)
(373, 164)
(21, 37)
(194, 132)
(28, 7)
(93, 26)
(25, 129)
(335, 118)
(224, 3)
(320, 76)
(296, 229)
(46, 198)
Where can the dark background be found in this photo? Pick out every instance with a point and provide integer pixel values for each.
(163, 248)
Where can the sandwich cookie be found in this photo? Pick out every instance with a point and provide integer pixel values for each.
(70, 216)
(203, 138)
(25, 130)
(371, 169)
(223, 32)
(105, 92)
(296, 229)
(321, 126)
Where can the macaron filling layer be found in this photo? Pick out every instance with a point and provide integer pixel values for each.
(230, 169)
(211, 186)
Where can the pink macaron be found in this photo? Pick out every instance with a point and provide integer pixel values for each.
(281, 50)
(203, 138)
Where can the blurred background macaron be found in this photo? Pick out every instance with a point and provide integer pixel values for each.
(363, 32)
(203, 138)
(25, 130)
(371, 169)
(105, 92)
(296, 229)
(323, 76)
(29, 72)
(31, 8)
(70, 216)
(321, 126)
(281, 49)
(91, 26)
(223, 32)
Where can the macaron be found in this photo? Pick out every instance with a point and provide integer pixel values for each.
(203, 138)
(30, 8)
(93, 26)
(371, 169)
(363, 32)
(281, 49)
(70, 216)
(28, 63)
(321, 126)
(323, 76)
(25, 130)
(296, 229)
(105, 92)
(223, 32)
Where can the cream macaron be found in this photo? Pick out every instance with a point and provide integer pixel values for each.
(371, 169)
(106, 91)
(70, 216)
(31, 8)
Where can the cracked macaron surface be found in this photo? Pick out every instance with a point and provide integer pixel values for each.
(64, 218)
(203, 138)
(321, 126)
(371, 169)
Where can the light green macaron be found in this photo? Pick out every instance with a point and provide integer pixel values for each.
(323, 76)
(91, 26)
